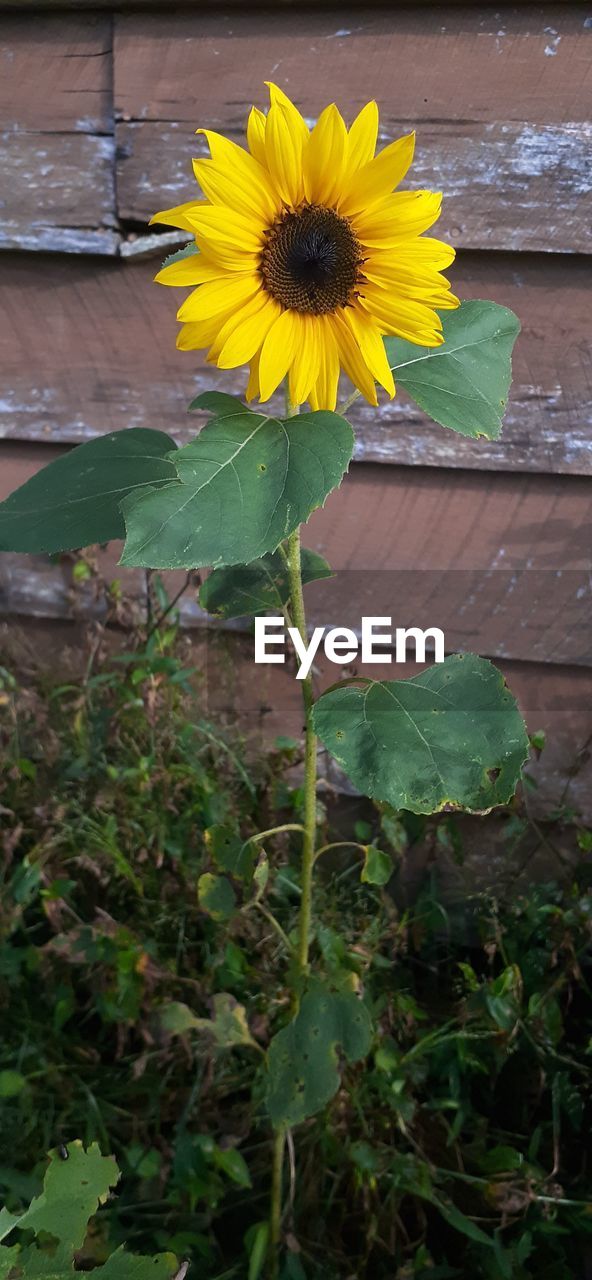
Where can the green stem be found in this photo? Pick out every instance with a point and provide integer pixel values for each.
(310, 761)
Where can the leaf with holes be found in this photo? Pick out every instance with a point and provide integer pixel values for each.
(452, 737)
(73, 1189)
(75, 501)
(464, 383)
(261, 587)
(303, 1058)
(243, 485)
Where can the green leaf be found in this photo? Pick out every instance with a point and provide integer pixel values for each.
(186, 252)
(248, 589)
(75, 500)
(73, 1189)
(243, 485)
(216, 896)
(449, 738)
(228, 1026)
(258, 1250)
(464, 383)
(11, 1083)
(378, 866)
(303, 1058)
(230, 852)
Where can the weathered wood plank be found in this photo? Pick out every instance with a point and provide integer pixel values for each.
(502, 566)
(499, 104)
(57, 150)
(56, 73)
(103, 337)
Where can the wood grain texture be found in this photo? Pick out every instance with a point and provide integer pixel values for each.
(97, 353)
(502, 566)
(57, 150)
(500, 104)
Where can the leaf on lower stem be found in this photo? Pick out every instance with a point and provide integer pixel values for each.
(303, 1058)
(452, 737)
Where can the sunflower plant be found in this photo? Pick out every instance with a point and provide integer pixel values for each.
(304, 263)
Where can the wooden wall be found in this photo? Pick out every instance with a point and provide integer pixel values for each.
(98, 106)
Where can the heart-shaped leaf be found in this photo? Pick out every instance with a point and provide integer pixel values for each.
(248, 589)
(243, 485)
(450, 738)
(303, 1058)
(464, 383)
(76, 499)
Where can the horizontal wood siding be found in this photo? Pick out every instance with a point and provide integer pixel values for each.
(97, 353)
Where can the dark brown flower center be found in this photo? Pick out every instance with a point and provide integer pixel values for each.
(311, 260)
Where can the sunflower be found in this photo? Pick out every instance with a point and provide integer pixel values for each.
(307, 258)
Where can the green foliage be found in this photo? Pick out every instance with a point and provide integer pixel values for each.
(242, 486)
(76, 500)
(76, 1183)
(378, 866)
(464, 383)
(261, 587)
(449, 738)
(303, 1057)
(136, 1020)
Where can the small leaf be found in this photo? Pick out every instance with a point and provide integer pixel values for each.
(75, 500)
(242, 486)
(11, 1083)
(233, 1164)
(464, 383)
(449, 738)
(258, 1250)
(186, 252)
(378, 866)
(228, 1026)
(260, 587)
(216, 896)
(303, 1058)
(230, 852)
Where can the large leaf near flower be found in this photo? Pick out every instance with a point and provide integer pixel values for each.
(244, 590)
(464, 383)
(304, 1058)
(449, 738)
(75, 500)
(243, 485)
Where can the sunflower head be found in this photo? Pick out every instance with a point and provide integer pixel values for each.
(308, 257)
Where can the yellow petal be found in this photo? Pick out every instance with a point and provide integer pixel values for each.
(277, 97)
(277, 353)
(256, 135)
(405, 214)
(371, 346)
(227, 238)
(361, 139)
(351, 358)
(401, 317)
(375, 180)
(305, 366)
(428, 251)
(253, 383)
(177, 217)
(198, 334)
(247, 332)
(323, 395)
(195, 269)
(232, 177)
(323, 157)
(219, 296)
(283, 148)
